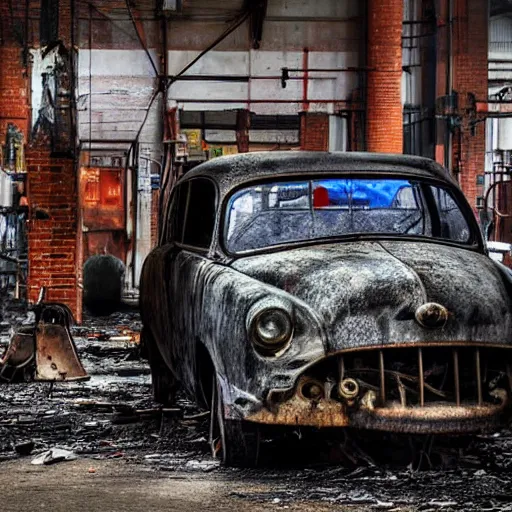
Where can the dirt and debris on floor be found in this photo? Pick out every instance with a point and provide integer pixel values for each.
(111, 421)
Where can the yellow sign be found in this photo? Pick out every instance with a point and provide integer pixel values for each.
(194, 139)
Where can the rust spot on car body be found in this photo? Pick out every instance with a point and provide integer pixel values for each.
(434, 418)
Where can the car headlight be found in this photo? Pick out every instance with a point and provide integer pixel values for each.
(271, 330)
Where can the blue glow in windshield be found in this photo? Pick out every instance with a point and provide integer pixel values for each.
(373, 193)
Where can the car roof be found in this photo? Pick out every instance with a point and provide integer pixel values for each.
(231, 171)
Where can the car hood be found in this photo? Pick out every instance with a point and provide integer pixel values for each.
(366, 293)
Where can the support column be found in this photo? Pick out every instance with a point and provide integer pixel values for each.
(314, 131)
(243, 123)
(52, 237)
(470, 61)
(384, 123)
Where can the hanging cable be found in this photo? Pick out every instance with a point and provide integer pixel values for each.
(171, 80)
(225, 34)
(139, 37)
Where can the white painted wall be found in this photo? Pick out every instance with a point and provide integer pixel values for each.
(329, 28)
(258, 93)
(117, 94)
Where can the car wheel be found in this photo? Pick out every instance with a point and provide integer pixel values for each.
(162, 379)
(234, 442)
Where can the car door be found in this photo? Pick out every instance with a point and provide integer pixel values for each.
(156, 304)
(191, 225)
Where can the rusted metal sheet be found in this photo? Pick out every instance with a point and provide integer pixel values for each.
(44, 351)
(432, 420)
(112, 242)
(18, 356)
(102, 198)
(56, 356)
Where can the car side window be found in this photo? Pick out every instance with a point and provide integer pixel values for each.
(176, 218)
(453, 224)
(201, 212)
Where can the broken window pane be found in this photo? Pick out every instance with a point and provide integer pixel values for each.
(282, 212)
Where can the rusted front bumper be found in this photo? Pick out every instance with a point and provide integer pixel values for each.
(431, 419)
(420, 389)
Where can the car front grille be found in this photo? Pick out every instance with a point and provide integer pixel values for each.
(419, 375)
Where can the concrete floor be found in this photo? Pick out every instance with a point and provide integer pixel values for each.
(147, 461)
(117, 486)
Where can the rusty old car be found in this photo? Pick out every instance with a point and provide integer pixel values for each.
(327, 290)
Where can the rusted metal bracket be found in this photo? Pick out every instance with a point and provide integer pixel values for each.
(46, 349)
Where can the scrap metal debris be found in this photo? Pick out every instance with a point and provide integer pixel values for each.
(44, 350)
(53, 456)
(113, 416)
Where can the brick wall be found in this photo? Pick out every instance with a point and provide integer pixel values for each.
(314, 131)
(470, 44)
(52, 241)
(384, 123)
(14, 87)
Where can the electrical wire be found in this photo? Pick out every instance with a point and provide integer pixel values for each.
(168, 176)
(170, 81)
(226, 33)
(139, 37)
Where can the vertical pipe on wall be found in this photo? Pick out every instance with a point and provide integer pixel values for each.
(449, 86)
(384, 123)
(305, 80)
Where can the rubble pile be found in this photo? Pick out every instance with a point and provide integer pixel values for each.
(112, 415)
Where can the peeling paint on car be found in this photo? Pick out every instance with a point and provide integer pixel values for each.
(342, 295)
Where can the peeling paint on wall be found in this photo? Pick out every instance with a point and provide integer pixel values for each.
(51, 97)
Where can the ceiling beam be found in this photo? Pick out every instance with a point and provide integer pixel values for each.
(258, 10)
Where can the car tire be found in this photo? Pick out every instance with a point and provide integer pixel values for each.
(162, 379)
(236, 443)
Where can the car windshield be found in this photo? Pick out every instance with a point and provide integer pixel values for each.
(289, 211)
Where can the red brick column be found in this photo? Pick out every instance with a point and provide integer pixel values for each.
(470, 46)
(14, 87)
(384, 124)
(314, 131)
(52, 230)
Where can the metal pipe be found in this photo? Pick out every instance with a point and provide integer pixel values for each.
(237, 78)
(478, 376)
(456, 375)
(382, 378)
(421, 376)
(209, 100)
(349, 69)
(305, 80)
